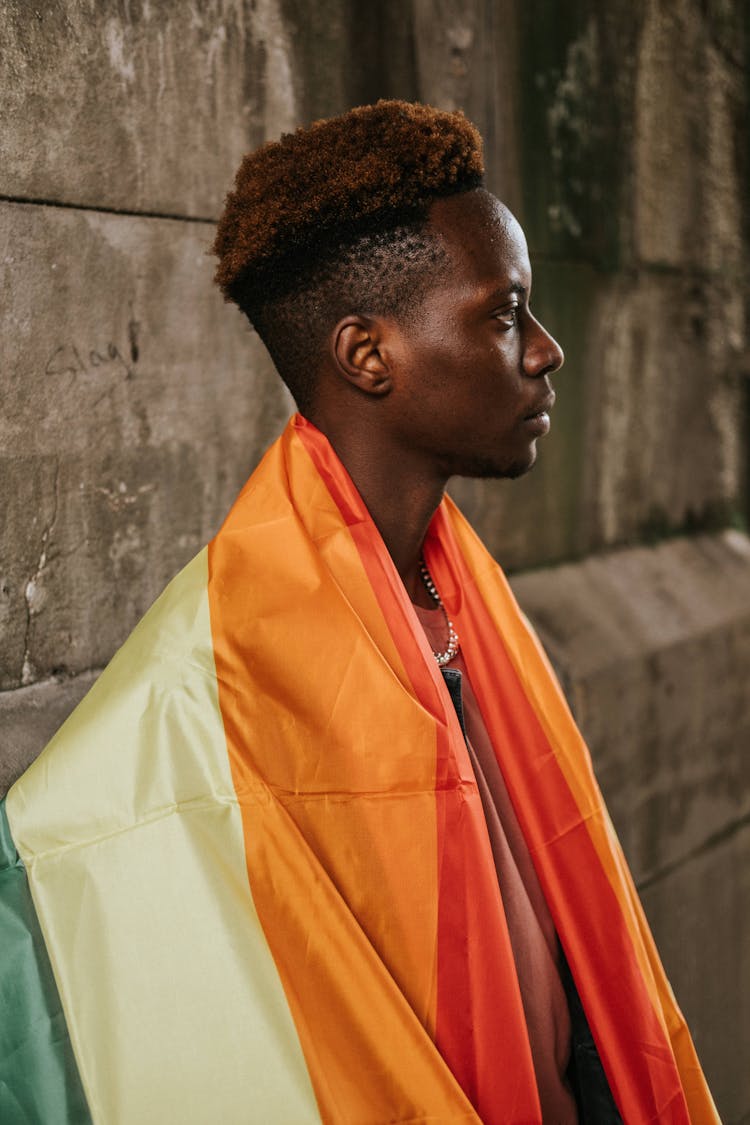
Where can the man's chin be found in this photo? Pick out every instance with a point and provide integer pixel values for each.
(491, 469)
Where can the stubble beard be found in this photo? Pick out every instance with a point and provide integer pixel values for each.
(484, 468)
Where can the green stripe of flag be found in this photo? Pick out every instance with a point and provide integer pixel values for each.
(39, 1080)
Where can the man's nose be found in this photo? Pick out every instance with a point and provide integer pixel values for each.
(543, 354)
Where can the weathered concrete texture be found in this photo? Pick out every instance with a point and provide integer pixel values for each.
(139, 106)
(158, 102)
(653, 648)
(632, 118)
(28, 719)
(663, 422)
(455, 41)
(575, 111)
(689, 99)
(700, 914)
(135, 404)
(345, 53)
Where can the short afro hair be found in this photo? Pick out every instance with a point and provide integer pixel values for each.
(331, 220)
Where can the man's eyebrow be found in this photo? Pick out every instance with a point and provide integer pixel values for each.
(515, 287)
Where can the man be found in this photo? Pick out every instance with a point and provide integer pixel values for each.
(323, 842)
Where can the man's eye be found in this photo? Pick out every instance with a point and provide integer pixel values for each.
(508, 318)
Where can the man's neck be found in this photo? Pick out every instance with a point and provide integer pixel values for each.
(402, 521)
(400, 495)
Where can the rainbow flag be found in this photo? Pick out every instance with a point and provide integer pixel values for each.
(250, 878)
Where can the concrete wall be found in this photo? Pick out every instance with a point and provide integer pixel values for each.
(135, 403)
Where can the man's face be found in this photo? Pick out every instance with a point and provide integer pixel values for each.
(471, 369)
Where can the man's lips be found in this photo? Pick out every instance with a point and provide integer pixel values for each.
(543, 407)
(537, 421)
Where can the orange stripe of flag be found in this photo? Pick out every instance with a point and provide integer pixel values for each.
(479, 1016)
(332, 857)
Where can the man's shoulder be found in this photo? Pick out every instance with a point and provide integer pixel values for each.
(172, 636)
(155, 703)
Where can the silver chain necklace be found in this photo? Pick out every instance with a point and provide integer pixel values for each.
(445, 657)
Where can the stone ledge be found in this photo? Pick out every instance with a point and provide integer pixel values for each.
(700, 915)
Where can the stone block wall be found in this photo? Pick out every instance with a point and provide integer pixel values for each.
(135, 403)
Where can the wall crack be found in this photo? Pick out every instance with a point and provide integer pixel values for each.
(32, 593)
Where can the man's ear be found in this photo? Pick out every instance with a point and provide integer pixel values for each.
(356, 346)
